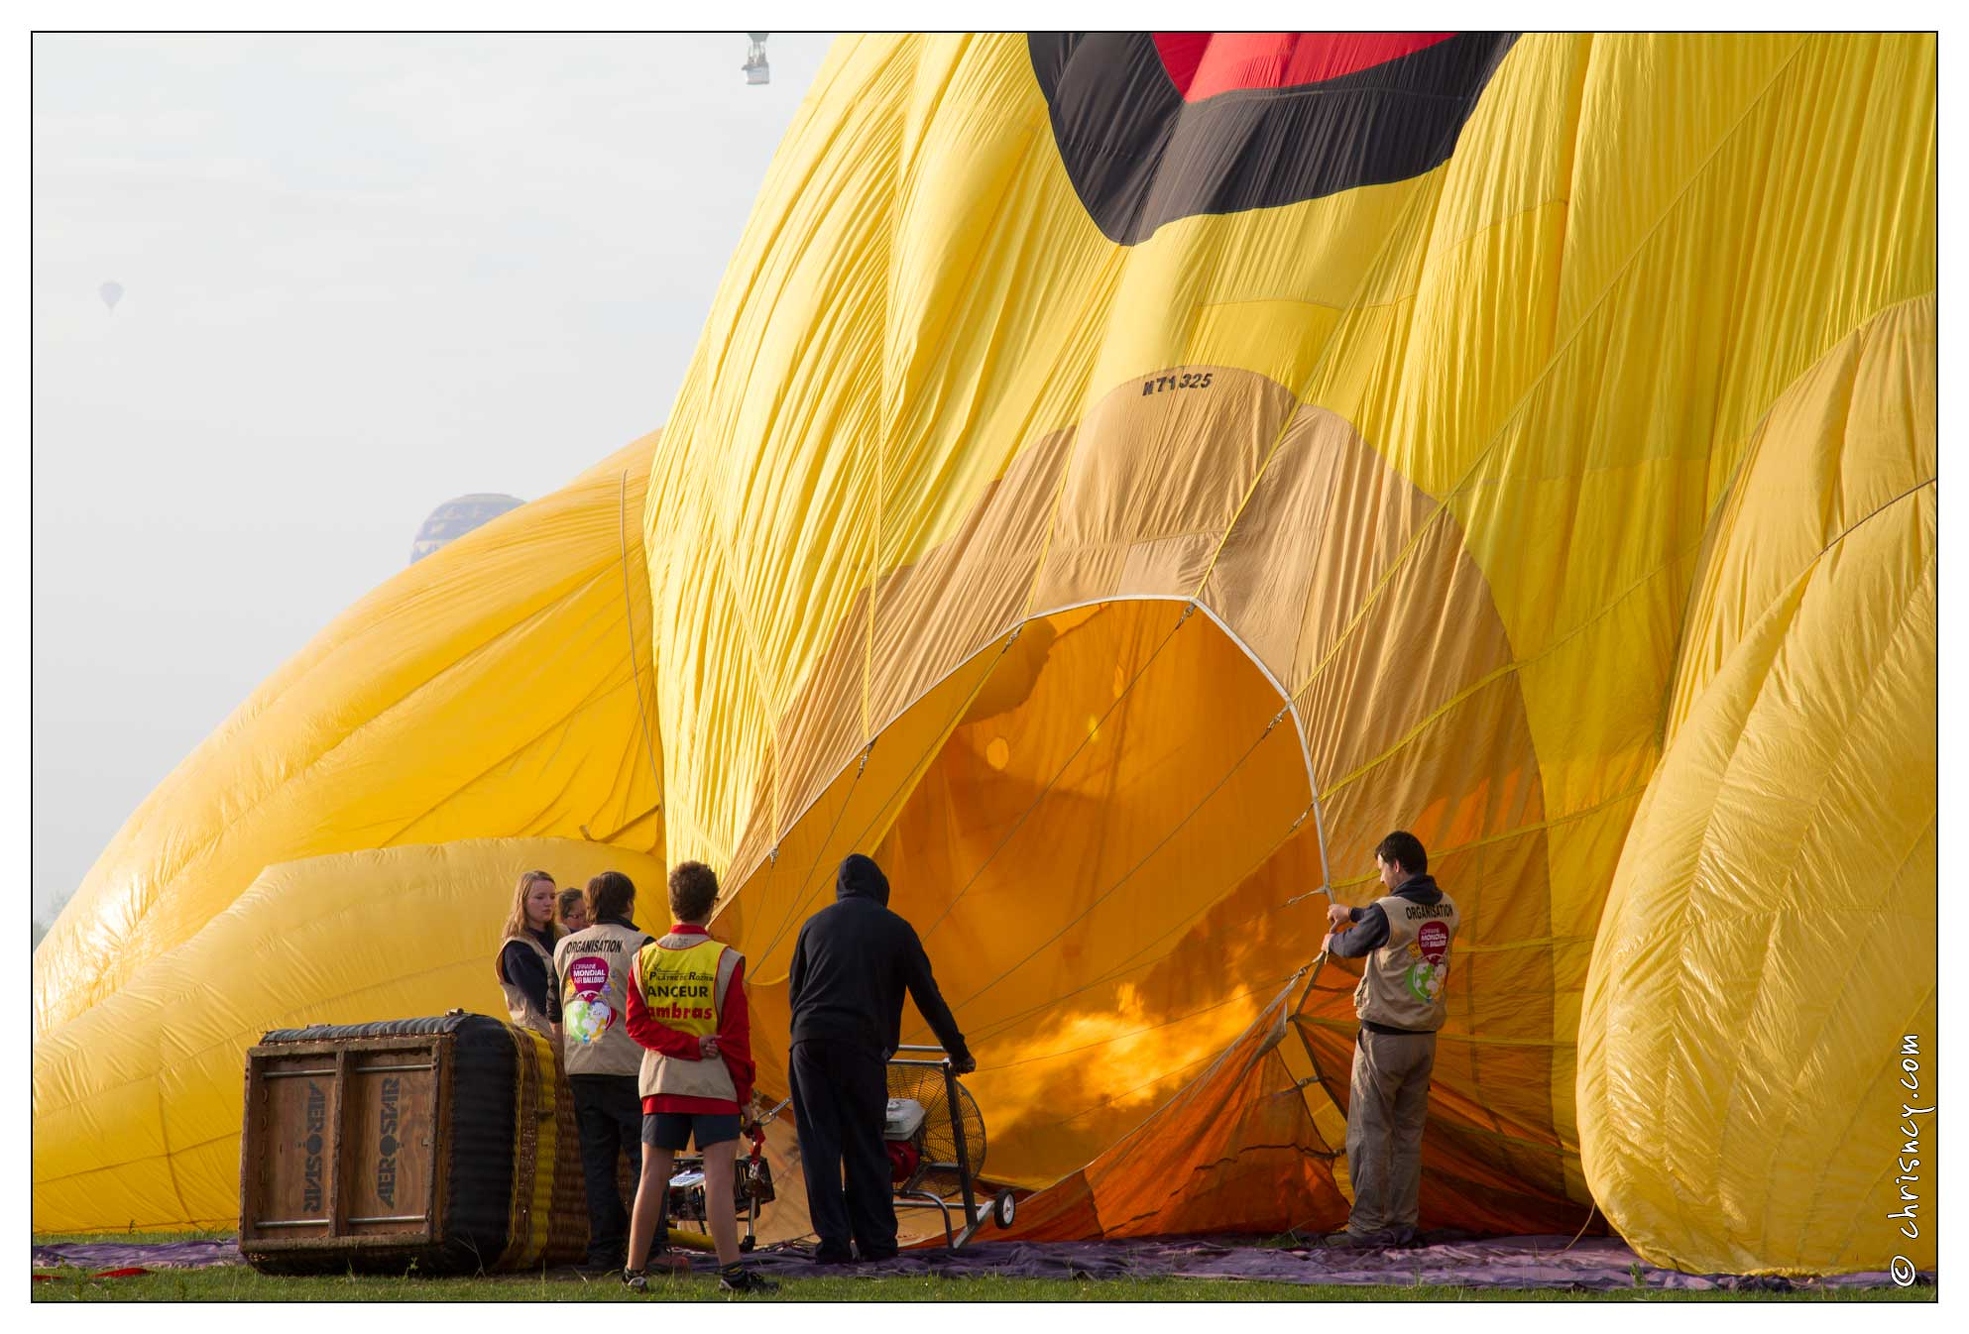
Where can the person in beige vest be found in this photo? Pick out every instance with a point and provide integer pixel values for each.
(525, 963)
(590, 1003)
(687, 1010)
(1405, 939)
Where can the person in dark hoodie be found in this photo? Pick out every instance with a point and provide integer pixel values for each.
(851, 965)
(1405, 938)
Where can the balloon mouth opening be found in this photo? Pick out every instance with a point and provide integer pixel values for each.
(1058, 821)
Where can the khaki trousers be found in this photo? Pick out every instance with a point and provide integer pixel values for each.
(1385, 1112)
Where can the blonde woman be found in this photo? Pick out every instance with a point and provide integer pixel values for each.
(526, 956)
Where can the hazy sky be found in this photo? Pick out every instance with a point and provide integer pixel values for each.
(362, 275)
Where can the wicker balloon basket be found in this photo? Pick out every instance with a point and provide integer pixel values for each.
(439, 1146)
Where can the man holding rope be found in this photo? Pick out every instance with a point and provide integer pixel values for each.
(1405, 939)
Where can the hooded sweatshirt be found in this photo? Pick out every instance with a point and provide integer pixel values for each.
(853, 962)
(1370, 930)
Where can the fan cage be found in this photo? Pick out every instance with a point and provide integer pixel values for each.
(926, 1085)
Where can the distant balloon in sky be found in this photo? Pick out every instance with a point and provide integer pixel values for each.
(457, 517)
(757, 71)
(111, 292)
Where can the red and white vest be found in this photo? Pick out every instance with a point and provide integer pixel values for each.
(683, 980)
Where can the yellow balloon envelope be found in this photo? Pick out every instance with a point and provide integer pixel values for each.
(1124, 476)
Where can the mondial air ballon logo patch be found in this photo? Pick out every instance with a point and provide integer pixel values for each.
(585, 1011)
(1431, 969)
(1154, 127)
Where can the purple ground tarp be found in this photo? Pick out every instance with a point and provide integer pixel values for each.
(1503, 1262)
(169, 1255)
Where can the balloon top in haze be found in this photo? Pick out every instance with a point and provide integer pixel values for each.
(457, 517)
(111, 293)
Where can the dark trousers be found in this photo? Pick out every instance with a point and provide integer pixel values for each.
(840, 1098)
(609, 1114)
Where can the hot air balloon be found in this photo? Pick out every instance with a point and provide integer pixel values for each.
(111, 293)
(757, 71)
(1115, 530)
(457, 517)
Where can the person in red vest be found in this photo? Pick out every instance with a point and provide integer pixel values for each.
(687, 1010)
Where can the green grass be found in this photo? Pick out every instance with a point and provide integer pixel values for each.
(237, 1283)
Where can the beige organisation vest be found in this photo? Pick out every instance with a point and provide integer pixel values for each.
(592, 969)
(684, 980)
(523, 1011)
(1403, 983)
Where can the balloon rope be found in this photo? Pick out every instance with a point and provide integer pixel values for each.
(861, 767)
(1306, 1043)
(1312, 977)
(1591, 1209)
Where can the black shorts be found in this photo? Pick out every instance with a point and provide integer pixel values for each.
(673, 1130)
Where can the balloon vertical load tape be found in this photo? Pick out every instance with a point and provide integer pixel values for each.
(443, 1145)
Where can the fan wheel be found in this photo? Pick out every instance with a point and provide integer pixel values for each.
(926, 1085)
